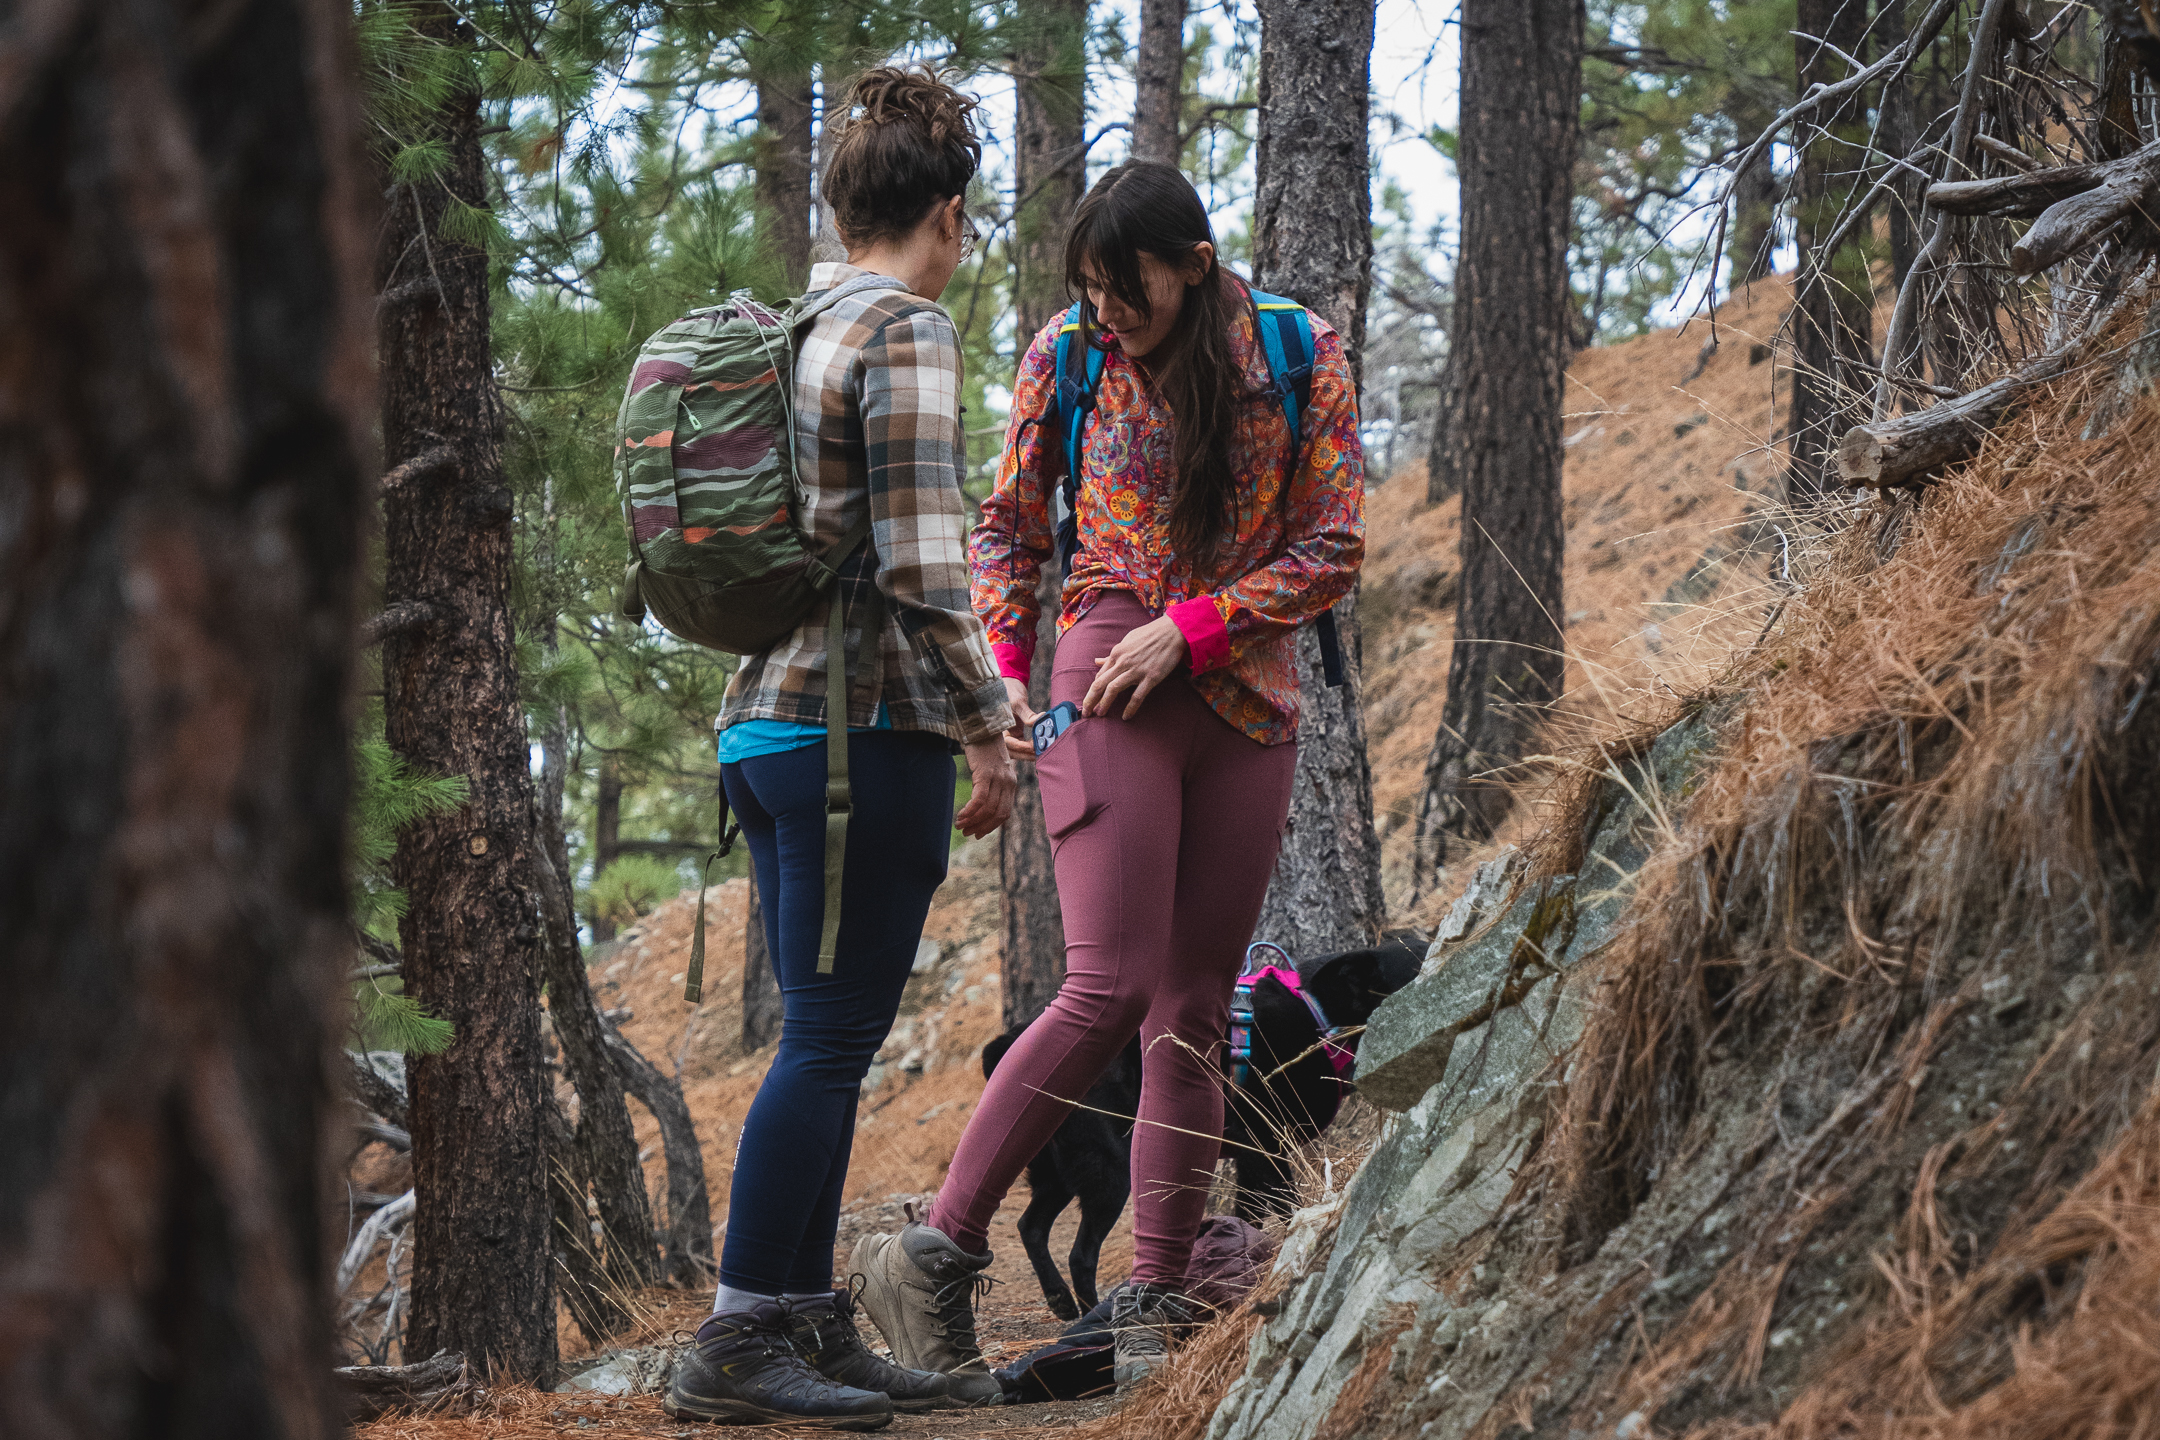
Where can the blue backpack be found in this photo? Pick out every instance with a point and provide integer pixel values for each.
(1286, 335)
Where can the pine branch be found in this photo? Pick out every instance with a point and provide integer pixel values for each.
(424, 466)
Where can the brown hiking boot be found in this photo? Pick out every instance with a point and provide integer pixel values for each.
(824, 1334)
(920, 1288)
(742, 1371)
(1145, 1319)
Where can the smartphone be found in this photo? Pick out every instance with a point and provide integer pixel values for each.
(1054, 722)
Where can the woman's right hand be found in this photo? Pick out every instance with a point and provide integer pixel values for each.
(1019, 740)
(994, 787)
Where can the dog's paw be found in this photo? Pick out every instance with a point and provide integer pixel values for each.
(1063, 1307)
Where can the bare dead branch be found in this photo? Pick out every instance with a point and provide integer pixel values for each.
(2009, 154)
(399, 619)
(378, 1094)
(425, 465)
(2068, 226)
(442, 1384)
(1886, 454)
(2028, 195)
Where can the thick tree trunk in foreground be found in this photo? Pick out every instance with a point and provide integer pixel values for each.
(1506, 365)
(785, 99)
(1834, 295)
(1159, 81)
(184, 438)
(1312, 241)
(483, 1277)
(1049, 176)
(606, 1145)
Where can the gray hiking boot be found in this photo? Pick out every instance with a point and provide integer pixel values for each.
(824, 1334)
(742, 1371)
(920, 1288)
(1145, 1319)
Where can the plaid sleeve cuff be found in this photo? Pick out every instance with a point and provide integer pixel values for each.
(1206, 637)
(984, 713)
(1015, 662)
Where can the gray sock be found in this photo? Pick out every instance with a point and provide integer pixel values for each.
(794, 1298)
(729, 1299)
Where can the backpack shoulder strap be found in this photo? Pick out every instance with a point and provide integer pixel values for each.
(1286, 334)
(1074, 392)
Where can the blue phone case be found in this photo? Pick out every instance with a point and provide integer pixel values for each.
(1054, 722)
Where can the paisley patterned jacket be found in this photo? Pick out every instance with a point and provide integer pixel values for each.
(1297, 524)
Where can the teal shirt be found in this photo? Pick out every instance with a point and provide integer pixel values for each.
(750, 738)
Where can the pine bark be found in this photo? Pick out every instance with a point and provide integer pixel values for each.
(1049, 174)
(786, 99)
(185, 397)
(1312, 241)
(1159, 81)
(1833, 305)
(1521, 88)
(483, 1277)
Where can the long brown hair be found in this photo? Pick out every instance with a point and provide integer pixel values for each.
(1147, 206)
(904, 142)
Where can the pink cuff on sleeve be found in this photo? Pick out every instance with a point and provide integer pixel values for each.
(1013, 662)
(1201, 624)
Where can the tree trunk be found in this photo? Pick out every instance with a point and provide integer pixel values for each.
(1521, 83)
(1034, 926)
(1159, 82)
(607, 836)
(686, 1239)
(606, 1145)
(785, 102)
(483, 1278)
(1312, 241)
(185, 392)
(761, 1003)
(1834, 295)
(1049, 174)
(1755, 199)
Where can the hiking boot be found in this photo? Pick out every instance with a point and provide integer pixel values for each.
(1145, 1318)
(823, 1332)
(920, 1288)
(742, 1371)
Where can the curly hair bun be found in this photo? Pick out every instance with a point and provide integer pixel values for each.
(905, 142)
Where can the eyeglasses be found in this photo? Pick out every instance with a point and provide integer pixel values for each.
(969, 239)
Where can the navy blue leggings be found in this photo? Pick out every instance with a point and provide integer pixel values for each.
(791, 1167)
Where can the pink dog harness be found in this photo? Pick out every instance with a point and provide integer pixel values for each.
(1341, 1056)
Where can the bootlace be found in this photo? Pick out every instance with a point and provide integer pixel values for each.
(955, 1301)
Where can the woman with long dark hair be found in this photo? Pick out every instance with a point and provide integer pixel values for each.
(1202, 536)
(877, 441)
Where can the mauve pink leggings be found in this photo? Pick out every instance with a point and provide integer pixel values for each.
(1165, 829)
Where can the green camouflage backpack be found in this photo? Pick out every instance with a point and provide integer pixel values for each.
(705, 461)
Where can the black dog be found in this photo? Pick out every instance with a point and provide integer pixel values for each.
(1088, 1159)
(1290, 1093)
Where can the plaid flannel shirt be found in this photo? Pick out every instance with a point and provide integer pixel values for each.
(877, 427)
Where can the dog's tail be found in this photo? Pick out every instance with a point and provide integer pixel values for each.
(995, 1050)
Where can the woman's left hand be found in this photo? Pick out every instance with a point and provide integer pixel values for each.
(1139, 662)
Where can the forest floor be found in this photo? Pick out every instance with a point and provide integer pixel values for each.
(1669, 462)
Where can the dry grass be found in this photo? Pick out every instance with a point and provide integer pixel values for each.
(1936, 780)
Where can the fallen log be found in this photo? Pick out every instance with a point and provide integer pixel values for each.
(2018, 197)
(442, 1384)
(2070, 225)
(1910, 448)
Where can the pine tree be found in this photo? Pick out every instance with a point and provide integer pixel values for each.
(1313, 242)
(1049, 62)
(1499, 438)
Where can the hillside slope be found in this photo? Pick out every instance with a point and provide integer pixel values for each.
(1860, 1134)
